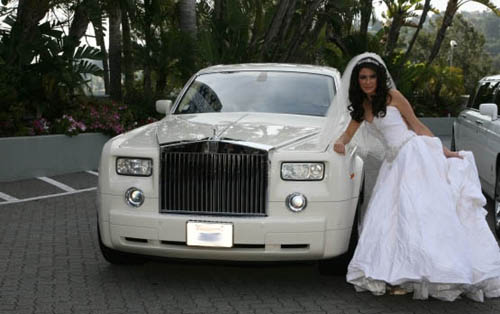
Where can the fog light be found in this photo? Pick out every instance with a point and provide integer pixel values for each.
(134, 197)
(296, 202)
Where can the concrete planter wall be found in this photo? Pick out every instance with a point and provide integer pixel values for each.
(441, 127)
(48, 155)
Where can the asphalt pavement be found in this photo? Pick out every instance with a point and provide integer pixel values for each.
(50, 263)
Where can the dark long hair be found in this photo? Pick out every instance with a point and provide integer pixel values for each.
(357, 96)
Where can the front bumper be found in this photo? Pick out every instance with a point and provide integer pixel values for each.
(321, 231)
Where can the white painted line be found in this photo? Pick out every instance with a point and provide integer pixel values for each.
(47, 196)
(60, 185)
(7, 197)
(92, 172)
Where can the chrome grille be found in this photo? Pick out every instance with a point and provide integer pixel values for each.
(213, 178)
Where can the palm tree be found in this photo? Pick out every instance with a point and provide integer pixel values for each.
(115, 50)
(423, 17)
(149, 42)
(366, 10)
(128, 60)
(96, 17)
(77, 28)
(451, 9)
(400, 12)
(187, 17)
(279, 27)
(25, 30)
(304, 29)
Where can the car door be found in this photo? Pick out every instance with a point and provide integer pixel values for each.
(492, 150)
(483, 150)
(465, 130)
(466, 126)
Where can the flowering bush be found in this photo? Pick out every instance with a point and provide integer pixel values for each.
(99, 116)
(40, 127)
(109, 118)
(68, 125)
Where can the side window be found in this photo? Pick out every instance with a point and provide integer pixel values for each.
(484, 94)
(497, 97)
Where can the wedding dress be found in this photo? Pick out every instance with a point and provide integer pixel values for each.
(425, 228)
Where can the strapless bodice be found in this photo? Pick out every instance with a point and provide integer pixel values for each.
(391, 130)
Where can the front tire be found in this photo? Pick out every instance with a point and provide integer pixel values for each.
(116, 257)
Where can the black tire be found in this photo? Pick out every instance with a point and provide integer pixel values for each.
(453, 147)
(337, 266)
(496, 204)
(116, 257)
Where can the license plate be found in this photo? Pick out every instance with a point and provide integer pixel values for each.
(209, 234)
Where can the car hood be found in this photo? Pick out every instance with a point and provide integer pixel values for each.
(269, 130)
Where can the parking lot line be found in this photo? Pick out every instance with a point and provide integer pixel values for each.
(7, 197)
(58, 184)
(92, 172)
(46, 196)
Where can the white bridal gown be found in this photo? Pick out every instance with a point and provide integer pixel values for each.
(425, 228)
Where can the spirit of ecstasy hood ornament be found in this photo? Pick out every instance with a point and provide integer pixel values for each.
(215, 137)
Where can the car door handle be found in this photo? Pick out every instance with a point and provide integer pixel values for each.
(479, 122)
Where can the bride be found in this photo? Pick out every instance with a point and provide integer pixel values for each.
(424, 230)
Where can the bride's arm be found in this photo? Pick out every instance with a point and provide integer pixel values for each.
(339, 145)
(414, 123)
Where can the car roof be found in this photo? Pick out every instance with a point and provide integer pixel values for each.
(280, 67)
(491, 78)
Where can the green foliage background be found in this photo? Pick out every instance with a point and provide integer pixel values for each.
(42, 79)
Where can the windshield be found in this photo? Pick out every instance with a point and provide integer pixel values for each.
(259, 91)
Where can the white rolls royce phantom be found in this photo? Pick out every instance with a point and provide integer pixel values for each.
(233, 172)
(477, 129)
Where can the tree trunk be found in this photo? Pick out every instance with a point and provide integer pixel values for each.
(148, 34)
(99, 36)
(276, 33)
(77, 29)
(283, 34)
(423, 17)
(451, 9)
(335, 38)
(187, 17)
(128, 61)
(313, 38)
(257, 27)
(277, 22)
(366, 14)
(115, 51)
(25, 30)
(219, 9)
(392, 38)
(303, 29)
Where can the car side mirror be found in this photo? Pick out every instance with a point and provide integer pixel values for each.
(490, 110)
(163, 106)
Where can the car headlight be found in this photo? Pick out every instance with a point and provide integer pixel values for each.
(134, 166)
(302, 171)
